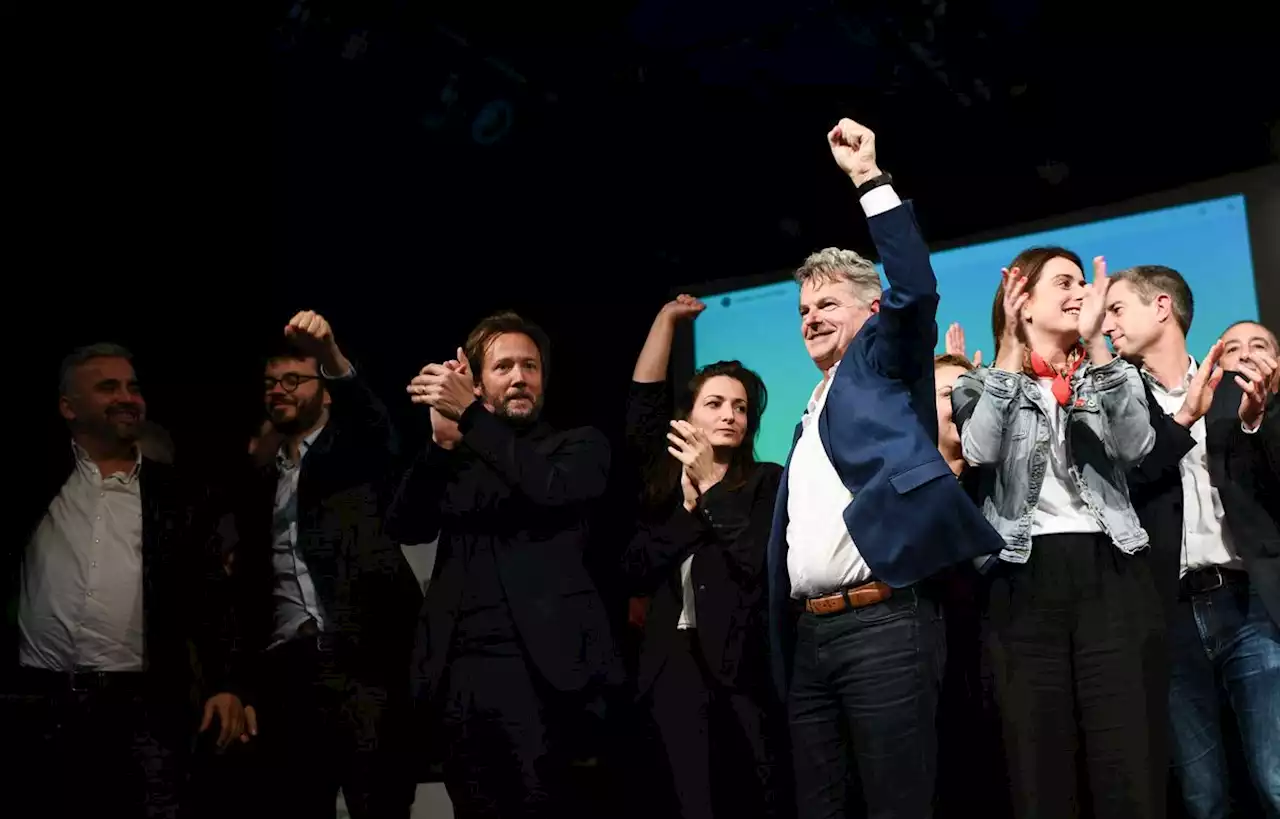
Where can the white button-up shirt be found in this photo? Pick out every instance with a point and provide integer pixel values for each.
(821, 555)
(1205, 539)
(296, 600)
(80, 604)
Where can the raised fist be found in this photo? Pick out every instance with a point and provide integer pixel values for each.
(311, 334)
(310, 331)
(683, 307)
(854, 148)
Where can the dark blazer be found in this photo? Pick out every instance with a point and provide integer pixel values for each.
(909, 516)
(1242, 468)
(534, 502)
(366, 588)
(184, 590)
(728, 533)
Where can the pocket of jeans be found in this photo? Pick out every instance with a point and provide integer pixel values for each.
(902, 606)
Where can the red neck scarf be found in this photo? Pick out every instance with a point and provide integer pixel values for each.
(1061, 380)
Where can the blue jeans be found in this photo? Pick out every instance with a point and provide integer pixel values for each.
(1225, 648)
(861, 705)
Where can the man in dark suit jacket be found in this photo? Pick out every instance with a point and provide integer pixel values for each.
(326, 601)
(1202, 495)
(111, 581)
(515, 639)
(867, 512)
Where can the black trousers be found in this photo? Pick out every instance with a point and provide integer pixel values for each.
(510, 741)
(720, 743)
(971, 767)
(323, 728)
(1077, 643)
(118, 752)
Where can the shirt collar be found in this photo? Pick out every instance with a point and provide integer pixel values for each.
(1192, 367)
(282, 460)
(83, 458)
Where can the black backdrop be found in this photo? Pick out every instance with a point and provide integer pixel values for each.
(183, 179)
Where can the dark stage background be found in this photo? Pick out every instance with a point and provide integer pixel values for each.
(183, 179)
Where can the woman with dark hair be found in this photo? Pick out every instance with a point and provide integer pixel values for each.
(699, 553)
(1074, 623)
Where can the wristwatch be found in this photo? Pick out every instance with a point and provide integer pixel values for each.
(873, 183)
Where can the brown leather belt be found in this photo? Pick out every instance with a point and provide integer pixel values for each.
(868, 594)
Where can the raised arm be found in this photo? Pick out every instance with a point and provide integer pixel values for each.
(907, 331)
(649, 402)
(414, 514)
(651, 366)
(362, 417)
(983, 402)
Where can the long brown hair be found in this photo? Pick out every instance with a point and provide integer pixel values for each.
(663, 473)
(1030, 263)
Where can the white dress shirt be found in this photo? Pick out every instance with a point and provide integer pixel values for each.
(1205, 539)
(821, 555)
(80, 605)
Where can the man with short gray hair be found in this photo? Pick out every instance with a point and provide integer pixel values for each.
(110, 580)
(868, 510)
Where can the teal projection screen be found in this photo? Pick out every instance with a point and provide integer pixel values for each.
(1207, 240)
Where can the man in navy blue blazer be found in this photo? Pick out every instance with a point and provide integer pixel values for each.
(868, 511)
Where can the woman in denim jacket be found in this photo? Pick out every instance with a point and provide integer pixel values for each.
(1074, 626)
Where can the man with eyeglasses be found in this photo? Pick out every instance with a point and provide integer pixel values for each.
(326, 601)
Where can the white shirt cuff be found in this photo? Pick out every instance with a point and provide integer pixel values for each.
(879, 200)
(1253, 431)
(350, 373)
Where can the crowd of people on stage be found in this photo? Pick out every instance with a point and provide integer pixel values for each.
(1046, 585)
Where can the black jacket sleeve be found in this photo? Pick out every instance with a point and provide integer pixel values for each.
(733, 524)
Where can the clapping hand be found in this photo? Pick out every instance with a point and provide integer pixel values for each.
(1200, 390)
(1093, 309)
(955, 344)
(1011, 346)
(691, 447)
(1257, 371)
(448, 389)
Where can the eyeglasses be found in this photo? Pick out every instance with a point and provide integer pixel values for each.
(289, 381)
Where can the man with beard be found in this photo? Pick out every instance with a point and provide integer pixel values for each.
(108, 579)
(515, 643)
(326, 600)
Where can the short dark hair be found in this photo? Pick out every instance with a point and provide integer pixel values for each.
(1150, 280)
(498, 324)
(283, 348)
(953, 360)
(82, 355)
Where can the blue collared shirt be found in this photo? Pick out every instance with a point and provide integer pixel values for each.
(296, 600)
